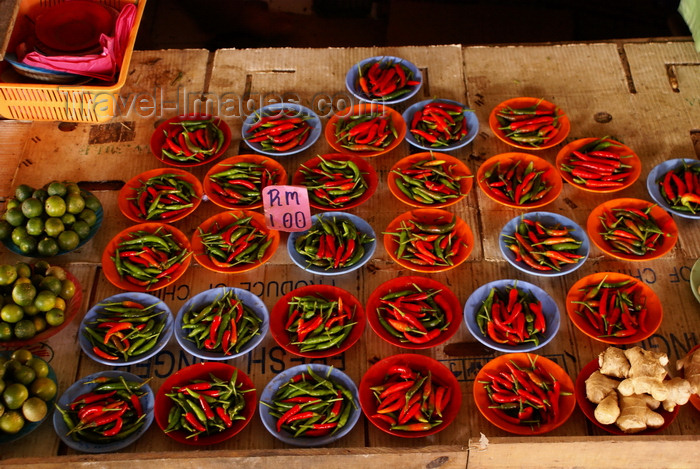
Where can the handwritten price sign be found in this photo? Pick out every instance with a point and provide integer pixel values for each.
(287, 208)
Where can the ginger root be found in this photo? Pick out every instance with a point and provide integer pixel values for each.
(690, 364)
(636, 416)
(613, 362)
(679, 391)
(598, 386)
(608, 410)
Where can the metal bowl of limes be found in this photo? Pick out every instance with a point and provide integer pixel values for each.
(51, 220)
(29, 390)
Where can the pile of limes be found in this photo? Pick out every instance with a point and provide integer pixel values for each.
(25, 389)
(50, 220)
(32, 299)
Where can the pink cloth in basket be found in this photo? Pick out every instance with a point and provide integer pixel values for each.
(103, 66)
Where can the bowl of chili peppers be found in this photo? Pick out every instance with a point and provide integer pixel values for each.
(675, 186)
(190, 140)
(281, 129)
(310, 405)
(512, 316)
(614, 308)
(125, 329)
(632, 229)
(384, 79)
(104, 412)
(205, 403)
(430, 179)
(317, 321)
(337, 181)
(414, 312)
(337, 243)
(410, 395)
(542, 400)
(366, 130)
(164, 195)
(237, 182)
(519, 180)
(233, 242)
(598, 165)
(544, 244)
(440, 125)
(588, 407)
(428, 240)
(146, 257)
(529, 123)
(221, 323)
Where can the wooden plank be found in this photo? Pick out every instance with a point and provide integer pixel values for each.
(13, 136)
(8, 15)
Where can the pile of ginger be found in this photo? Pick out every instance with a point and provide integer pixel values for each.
(630, 385)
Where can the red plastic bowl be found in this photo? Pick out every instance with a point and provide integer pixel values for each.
(202, 371)
(279, 315)
(359, 110)
(567, 403)
(158, 140)
(524, 102)
(419, 363)
(588, 408)
(413, 283)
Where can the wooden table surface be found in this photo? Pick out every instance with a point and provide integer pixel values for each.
(644, 93)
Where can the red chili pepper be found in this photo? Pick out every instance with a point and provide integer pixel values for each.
(102, 354)
(192, 420)
(223, 415)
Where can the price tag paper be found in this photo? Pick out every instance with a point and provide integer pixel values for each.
(287, 208)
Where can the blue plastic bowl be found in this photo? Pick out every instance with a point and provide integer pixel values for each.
(352, 77)
(361, 225)
(549, 309)
(313, 121)
(146, 300)
(207, 297)
(548, 219)
(80, 387)
(657, 173)
(334, 375)
(470, 116)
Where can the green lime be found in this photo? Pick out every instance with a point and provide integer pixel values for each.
(54, 206)
(18, 234)
(23, 191)
(11, 422)
(5, 229)
(75, 203)
(14, 216)
(34, 409)
(51, 283)
(60, 303)
(55, 317)
(28, 245)
(67, 289)
(68, 219)
(25, 329)
(57, 188)
(22, 355)
(11, 313)
(14, 395)
(31, 310)
(34, 226)
(45, 300)
(23, 293)
(24, 270)
(8, 274)
(47, 247)
(53, 227)
(13, 203)
(2, 388)
(25, 374)
(82, 229)
(72, 188)
(92, 202)
(88, 216)
(43, 387)
(56, 271)
(32, 208)
(68, 240)
(40, 367)
(39, 324)
(5, 331)
(40, 194)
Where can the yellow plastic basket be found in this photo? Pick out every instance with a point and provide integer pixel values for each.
(56, 102)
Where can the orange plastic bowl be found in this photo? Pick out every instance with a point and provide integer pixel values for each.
(203, 372)
(653, 304)
(416, 284)
(278, 175)
(550, 176)
(280, 313)
(588, 408)
(567, 403)
(361, 110)
(462, 233)
(131, 190)
(451, 165)
(439, 373)
(218, 223)
(110, 269)
(369, 175)
(665, 222)
(525, 102)
(158, 140)
(564, 157)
